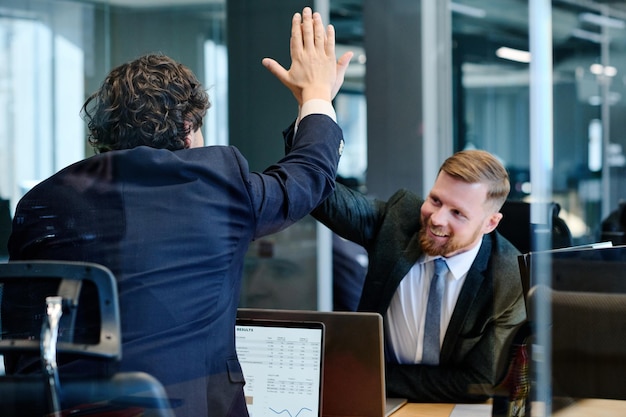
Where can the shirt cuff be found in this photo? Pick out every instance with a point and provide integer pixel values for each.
(315, 106)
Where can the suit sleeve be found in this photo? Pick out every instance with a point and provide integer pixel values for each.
(346, 212)
(351, 215)
(287, 191)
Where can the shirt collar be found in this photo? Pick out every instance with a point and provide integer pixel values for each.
(461, 263)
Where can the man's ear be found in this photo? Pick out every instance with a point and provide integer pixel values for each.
(492, 222)
(187, 140)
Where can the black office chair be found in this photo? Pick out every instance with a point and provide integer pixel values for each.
(51, 314)
(588, 342)
(613, 227)
(516, 227)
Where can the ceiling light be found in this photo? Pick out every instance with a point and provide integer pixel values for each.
(595, 100)
(585, 34)
(610, 71)
(467, 10)
(513, 54)
(599, 69)
(605, 21)
(596, 69)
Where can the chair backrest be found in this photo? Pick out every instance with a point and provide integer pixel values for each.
(588, 342)
(516, 227)
(88, 329)
(94, 332)
(613, 227)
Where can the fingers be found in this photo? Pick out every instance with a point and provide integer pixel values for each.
(296, 33)
(312, 30)
(314, 69)
(319, 32)
(307, 27)
(329, 44)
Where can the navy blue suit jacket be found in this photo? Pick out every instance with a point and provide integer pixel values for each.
(174, 228)
(489, 307)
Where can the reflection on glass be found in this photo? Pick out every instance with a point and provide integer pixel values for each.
(281, 270)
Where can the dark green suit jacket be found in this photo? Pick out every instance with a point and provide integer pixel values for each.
(489, 306)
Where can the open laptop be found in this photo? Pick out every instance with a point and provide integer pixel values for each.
(354, 373)
(282, 363)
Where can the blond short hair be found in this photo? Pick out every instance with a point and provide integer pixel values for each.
(478, 166)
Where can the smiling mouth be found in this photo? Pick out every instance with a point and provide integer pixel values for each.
(438, 233)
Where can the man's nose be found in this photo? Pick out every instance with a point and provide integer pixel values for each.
(437, 217)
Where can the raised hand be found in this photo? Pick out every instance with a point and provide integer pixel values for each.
(314, 73)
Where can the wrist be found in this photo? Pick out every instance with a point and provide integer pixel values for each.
(317, 106)
(321, 93)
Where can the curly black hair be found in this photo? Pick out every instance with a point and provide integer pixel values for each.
(145, 102)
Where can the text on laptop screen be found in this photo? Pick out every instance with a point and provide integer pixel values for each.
(282, 366)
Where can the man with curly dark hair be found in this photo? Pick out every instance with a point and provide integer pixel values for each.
(173, 219)
(152, 101)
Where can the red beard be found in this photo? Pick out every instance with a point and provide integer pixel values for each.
(451, 246)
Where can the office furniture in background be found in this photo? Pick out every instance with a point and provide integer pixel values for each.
(588, 339)
(52, 313)
(517, 228)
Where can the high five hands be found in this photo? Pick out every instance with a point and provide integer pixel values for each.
(315, 73)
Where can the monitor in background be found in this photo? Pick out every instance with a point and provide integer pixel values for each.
(590, 269)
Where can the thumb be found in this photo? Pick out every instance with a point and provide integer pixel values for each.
(342, 67)
(276, 69)
(344, 62)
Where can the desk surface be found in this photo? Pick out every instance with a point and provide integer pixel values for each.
(581, 408)
(587, 408)
(424, 410)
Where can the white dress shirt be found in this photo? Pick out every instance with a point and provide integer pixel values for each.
(407, 311)
(315, 106)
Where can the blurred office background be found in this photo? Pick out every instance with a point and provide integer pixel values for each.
(441, 76)
(428, 78)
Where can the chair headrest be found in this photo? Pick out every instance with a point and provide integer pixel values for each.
(90, 324)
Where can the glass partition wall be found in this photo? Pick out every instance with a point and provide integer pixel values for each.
(491, 58)
(55, 52)
(503, 53)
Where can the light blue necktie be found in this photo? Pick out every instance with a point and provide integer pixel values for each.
(430, 352)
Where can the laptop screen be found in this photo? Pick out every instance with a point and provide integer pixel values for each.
(354, 372)
(282, 365)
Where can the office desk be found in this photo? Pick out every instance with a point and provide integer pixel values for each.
(586, 408)
(581, 408)
(424, 410)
